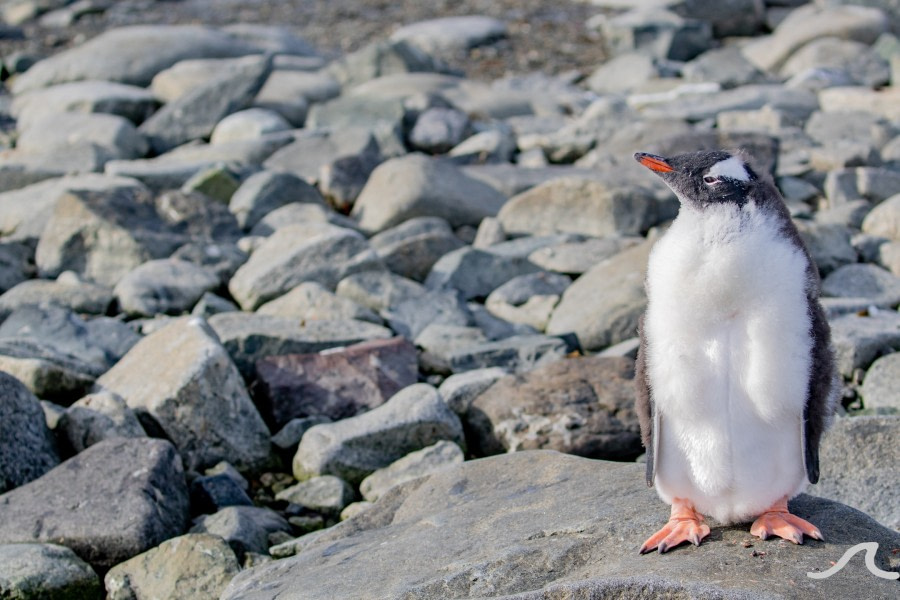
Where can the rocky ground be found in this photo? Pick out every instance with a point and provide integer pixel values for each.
(279, 299)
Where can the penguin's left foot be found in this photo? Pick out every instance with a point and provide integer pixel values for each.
(685, 525)
(778, 521)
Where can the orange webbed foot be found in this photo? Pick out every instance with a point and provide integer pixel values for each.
(685, 525)
(778, 521)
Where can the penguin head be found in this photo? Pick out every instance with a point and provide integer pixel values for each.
(702, 179)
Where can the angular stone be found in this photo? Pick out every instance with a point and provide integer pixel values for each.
(413, 419)
(337, 383)
(309, 301)
(602, 307)
(196, 565)
(411, 248)
(103, 235)
(416, 186)
(27, 447)
(97, 417)
(858, 340)
(46, 571)
(249, 337)
(245, 528)
(181, 383)
(412, 466)
(879, 390)
(297, 253)
(195, 114)
(325, 494)
(547, 508)
(263, 192)
(860, 458)
(167, 286)
(113, 501)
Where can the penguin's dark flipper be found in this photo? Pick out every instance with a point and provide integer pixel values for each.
(644, 405)
(685, 525)
(778, 521)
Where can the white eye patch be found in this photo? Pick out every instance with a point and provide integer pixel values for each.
(732, 168)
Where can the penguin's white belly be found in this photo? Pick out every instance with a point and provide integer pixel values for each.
(728, 362)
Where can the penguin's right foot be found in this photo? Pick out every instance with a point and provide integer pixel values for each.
(685, 525)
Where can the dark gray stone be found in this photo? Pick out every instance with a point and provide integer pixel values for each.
(27, 447)
(116, 499)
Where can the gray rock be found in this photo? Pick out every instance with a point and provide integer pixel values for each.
(114, 134)
(195, 565)
(858, 340)
(459, 390)
(379, 59)
(182, 384)
(410, 316)
(476, 273)
(27, 447)
(301, 213)
(552, 517)
(325, 494)
(250, 123)
(309, 301)
(577, 257)
(451, 33)
(245, 528)
(249, 337)
(103, 235)
(97, 417)
(46, 571)
(859, 458)
(411, 248)
(657, 32)
(579, 206)
(263, 192)
(412, 466)
(130, 102)
(828, 244)
(580, 406)
(116, 499)
(528, 299)
(725, 66)
(379, 290)
(884, 219)
(868, 284)
(811, 22)
(289, 436)
(195, 114)
(879, 390)
(438, 129)
(857, 59)
(338, 383)
(413, 419)
(169, 286)
(871, 183)
(602, 307)
(132, 55)
(297, 253)
(416, 186)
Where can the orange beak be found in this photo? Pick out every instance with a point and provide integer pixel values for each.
(653, 162)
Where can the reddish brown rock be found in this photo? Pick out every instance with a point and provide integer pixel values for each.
(335, 383)
(582, 406)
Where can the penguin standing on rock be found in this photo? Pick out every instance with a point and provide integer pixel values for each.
(735, 373)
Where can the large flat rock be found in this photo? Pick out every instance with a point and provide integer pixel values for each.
(547, 525)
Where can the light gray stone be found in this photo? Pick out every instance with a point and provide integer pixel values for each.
(309, 301)
(552, 516)
(196, 565)
(46, 571)
(116, 499)
(430, 187)
(602, 307)
(411, 248)
(297, 253)
(27, 450)
(263, 192)
(879, 390)
(248, 337)
(412, 466)
(858, 340)
(166, 285)
(181, 383)
(325, 494)
(413, 419)
(860, 458)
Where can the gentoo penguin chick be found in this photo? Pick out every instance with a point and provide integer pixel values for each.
(735, 372)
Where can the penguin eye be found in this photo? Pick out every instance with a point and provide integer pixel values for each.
(709, 180)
